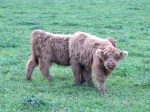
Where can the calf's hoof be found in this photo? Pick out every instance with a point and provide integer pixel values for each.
(51, 80)
(78, 82)
(83, 81)
(91, 85)
(28, 78)
(102, 90)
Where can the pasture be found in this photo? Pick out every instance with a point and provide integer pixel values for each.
(128, 21)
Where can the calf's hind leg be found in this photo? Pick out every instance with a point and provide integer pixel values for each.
(87, 75)
(44, 68)
(77, 72)
(31, 64)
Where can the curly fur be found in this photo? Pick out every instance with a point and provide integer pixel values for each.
(88, 54)
(47, 48)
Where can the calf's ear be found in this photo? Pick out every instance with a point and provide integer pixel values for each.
(113, 41)
(123, 54)
(100, 53)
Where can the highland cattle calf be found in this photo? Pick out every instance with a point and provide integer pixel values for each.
(47, 48)
(90, 54)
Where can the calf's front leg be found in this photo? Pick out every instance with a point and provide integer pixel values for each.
(100, 77)
(101, 84)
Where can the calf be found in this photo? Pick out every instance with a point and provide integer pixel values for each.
(47, 48)
(89, 54)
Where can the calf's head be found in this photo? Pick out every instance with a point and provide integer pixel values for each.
(111, 56)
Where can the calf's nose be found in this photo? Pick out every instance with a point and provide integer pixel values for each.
(110, 63)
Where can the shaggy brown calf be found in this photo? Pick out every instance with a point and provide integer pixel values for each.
(91, 54)
(46, 49)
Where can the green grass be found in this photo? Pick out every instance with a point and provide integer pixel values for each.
(128, 21)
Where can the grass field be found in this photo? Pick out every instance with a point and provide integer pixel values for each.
(128, 21)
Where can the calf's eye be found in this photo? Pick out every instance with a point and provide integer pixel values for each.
(105, 57)
(116, 57)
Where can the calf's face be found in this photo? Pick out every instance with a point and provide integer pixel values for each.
(110, 57)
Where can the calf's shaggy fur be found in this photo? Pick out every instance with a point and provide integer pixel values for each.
(89, 54)
(47, 48)
(86, 54)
